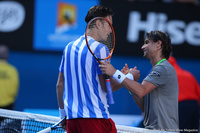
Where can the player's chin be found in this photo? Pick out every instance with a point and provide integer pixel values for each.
(145, 55)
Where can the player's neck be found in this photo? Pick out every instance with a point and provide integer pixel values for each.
(93, 34)
(155, 60)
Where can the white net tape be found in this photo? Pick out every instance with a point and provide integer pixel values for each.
(24, 118)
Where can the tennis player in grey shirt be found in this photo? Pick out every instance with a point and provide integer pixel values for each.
(161, 104)
(157, 95)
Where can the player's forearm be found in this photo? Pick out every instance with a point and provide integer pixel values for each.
(60, 104)
(60, 90)
(139, 102)
(115, 85)
(134, 87)
(137, 92)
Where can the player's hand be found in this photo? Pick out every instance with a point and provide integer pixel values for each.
(135, 73)
(107, 68)
(63, 124)
(125, 69)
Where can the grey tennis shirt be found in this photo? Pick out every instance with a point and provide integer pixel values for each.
(161, 104)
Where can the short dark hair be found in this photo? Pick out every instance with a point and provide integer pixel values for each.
(164, 38)
(98, 11)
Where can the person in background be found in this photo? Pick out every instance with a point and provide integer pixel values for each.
(157, 95)
(189, 97)
(9, 80)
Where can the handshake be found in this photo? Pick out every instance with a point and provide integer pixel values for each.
(131, 73)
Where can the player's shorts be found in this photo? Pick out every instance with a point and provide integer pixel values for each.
(91, 125)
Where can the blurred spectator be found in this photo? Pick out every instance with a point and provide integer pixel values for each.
(189, 96)
(9, 80)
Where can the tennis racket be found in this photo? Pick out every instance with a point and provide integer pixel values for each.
(108, 41)
(55, 126)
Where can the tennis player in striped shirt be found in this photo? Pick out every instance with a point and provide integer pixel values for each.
(80, 87)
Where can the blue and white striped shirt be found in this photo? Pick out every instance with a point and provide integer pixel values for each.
(83, 95)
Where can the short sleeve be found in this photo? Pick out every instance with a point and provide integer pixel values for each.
(103, 53)
(158, 76)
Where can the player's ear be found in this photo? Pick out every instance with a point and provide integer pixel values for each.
(98, 23)
(158, 44)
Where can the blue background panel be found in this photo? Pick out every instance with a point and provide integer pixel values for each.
(39, 72)
(51, 36)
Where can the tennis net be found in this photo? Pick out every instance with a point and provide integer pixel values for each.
(21, 122)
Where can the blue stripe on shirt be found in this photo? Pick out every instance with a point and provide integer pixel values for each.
(84, 81)
(80, 104)
(101, 105)
(69, 78)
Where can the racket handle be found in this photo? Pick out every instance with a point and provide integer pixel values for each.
(109, 90)
(55, 126)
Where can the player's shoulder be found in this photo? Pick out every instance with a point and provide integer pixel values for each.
(160, 67)
(164, 67)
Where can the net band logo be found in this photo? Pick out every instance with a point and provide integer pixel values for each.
(12, 16)
(66, 17)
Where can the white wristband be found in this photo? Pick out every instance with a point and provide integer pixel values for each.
(62, 113)
(119, 76)
(130, 76)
